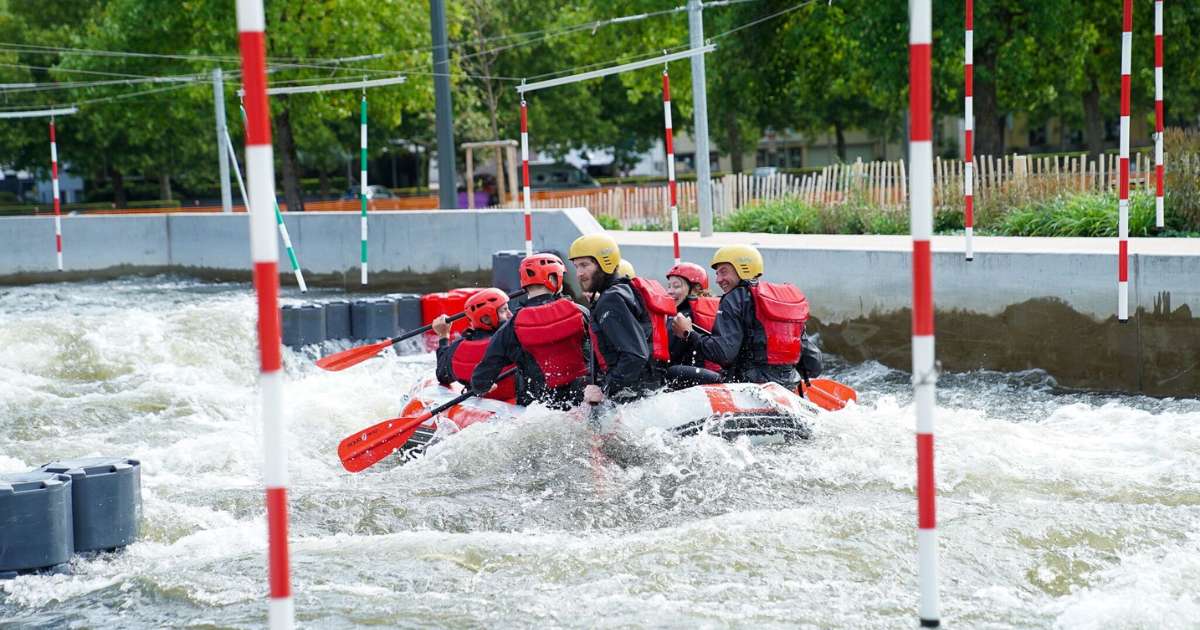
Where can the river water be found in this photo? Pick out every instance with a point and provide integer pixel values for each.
(1057, 510)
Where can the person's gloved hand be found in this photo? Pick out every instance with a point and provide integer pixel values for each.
(681, 325)
(593, 394)
(441, 326)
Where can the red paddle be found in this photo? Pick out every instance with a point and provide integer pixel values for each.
(354, 356)
(367, 447)
(827, 394)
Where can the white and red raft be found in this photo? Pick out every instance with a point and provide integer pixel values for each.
(764, 413)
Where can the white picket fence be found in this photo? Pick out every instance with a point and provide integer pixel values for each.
(880, 183)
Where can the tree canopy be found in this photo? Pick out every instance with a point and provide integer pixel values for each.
(808, 67)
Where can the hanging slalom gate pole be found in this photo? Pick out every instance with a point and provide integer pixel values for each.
(222, 163)
(525, 177)
(1123, 165)
(54, 191)
(362, 131)
(264, 252)
(287, 242)
(670, 162)
(283, 231)
(525, 88)
(1159, 216)
(924, 372)
(969, 133)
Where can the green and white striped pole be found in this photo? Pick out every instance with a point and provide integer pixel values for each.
(363, 183)
(287, 241)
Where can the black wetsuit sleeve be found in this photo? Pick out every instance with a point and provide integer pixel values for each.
(723, 345)
(810, 365)
(445, 354)
(682, 350)
(617, 324)
(503, 349)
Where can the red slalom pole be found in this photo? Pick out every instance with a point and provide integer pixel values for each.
(924, 374)
(1159, 216)
(671, 189)
(1123, 166)
(525, 178)
(54, 189)
(969, 132)
(264, 252)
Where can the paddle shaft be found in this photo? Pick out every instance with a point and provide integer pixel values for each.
(451, 318)
(364, 448)
(593, 409)
(465, 395)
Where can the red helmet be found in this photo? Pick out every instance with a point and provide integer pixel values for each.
(693, 273)
(483, 309)
(543, 269)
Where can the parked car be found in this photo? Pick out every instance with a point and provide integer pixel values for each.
(766, 171)
(374, 191)
(559, 175)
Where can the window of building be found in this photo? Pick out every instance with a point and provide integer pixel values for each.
(1038, 136)
(795, 157)
(1112, 129)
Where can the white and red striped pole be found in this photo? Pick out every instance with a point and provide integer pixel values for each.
(525, 178)
(362, 183)
(969, 132)
(924, 373)
(54, 191)
(1159, 215)
(264, 252)
(1123, 166)
(671, 163)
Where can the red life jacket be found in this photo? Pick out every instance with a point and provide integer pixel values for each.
(601, 364)
(659, 306)
(704, 311)
(553, 335)
(782, 310)
(467, 355)
(704, 315)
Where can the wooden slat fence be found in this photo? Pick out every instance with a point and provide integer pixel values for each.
(1013, 177)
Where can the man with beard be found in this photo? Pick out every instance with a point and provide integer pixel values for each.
(628, 324)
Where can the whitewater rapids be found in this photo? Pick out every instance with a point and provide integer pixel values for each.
(1056, 510)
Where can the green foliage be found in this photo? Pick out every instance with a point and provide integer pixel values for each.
(1072, 215)
(815, 67)
(687, 223)
(792, 216)
(607, 222)
(1182, 148)
(1079, 215)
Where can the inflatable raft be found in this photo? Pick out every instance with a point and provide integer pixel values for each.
(762, 412)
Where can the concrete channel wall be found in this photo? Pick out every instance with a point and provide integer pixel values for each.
(408, 250)
(1021, 304)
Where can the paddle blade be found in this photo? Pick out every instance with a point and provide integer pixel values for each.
(353, 356)
(829, 395)
(366, 447)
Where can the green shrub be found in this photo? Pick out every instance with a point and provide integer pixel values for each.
(1080, 215)
(687, 223)
(1182, 198)
(1090, 214)
(607, 222)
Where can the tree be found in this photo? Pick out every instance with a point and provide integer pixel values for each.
(311, 30)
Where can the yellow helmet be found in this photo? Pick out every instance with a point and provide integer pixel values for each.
(625, 268)
(600, 246)
(745, 260)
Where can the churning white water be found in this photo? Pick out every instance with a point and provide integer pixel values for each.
(1057, 510)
